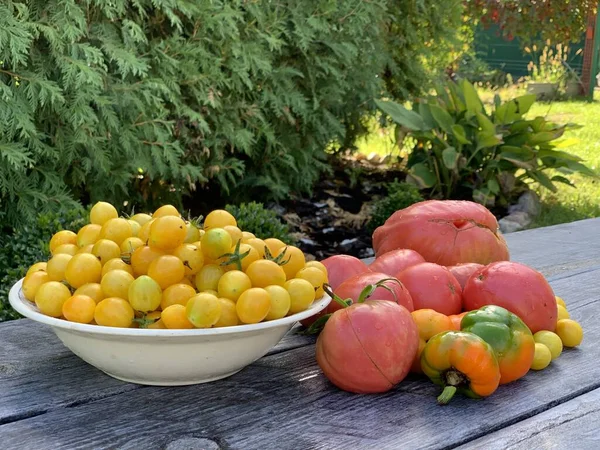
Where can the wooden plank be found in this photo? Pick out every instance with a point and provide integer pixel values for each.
(283, 401)
(572, 425)
(32, 358)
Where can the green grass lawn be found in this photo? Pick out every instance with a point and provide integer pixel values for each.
(568, 204)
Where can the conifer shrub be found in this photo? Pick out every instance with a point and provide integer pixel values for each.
(147, 100)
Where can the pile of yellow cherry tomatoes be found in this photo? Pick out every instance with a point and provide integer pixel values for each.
(161, 271)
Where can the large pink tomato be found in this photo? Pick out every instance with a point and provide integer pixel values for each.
(342, 267)
(395, 261)
(352, 287)
(516, 287)
(368, 347)
(462, 272)
(432, 286)
(446, 232)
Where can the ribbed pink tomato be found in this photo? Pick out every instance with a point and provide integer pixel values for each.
(395, 261)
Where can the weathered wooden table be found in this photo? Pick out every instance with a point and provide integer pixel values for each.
(50, 399)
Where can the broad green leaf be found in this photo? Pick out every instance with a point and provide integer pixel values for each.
(519, 126)
(424, 177)
(450, 157)
(538, 124)
(500, 113)
(425, 112)
(543, 179)
(543, 136)
(486, 124)
(566, 142)
(561, 179)
(558, 154)
(493, 186)
(488, 140)
(578, 167)
(522, 153)
(524, 103)
(472, 100)
(401, 115)
(457, 98)
(497, 100)
(441, 116)
(460, 134)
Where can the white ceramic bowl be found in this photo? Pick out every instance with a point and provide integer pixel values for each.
(166, 357)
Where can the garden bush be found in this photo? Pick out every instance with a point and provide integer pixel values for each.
(262, 222)
(29, 244)
(400, 195)
(151, 100)
(460, 150)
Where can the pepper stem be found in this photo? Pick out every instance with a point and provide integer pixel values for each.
(446, 395)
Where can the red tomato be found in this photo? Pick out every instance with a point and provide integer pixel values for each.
(396, 261)
(339, 269)
(352, 287)
(462, 272)
(342, 267)
(368, 347)
(516, 287)
(432, 286)
(446, 232)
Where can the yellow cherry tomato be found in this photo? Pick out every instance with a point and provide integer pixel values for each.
(176, 294)
(280, 302)
(234, 232)
(219, 218)
(50, 298)
(83, 268)
(228, 317)
(174, 317)
(79, 308)
(569, 332)
(67, 249)
(208, 277)
(114, 312)
(135, 227)
(263, 273)
(116, 264)
(293, 260)
(192, 233)
(57, 265)
(86, 249)
(166, 270)
(315, 276)
(39, 266)
(129, 245)
(145, 294)
(191, 257)
(258, 245)
(560, 301)
(142, 257)
(102, 212)
(203, 310)
(562, 312)
(105, 250)
(62, 237)
(274, 245)
(32, 282)
(92, 290)
(541, 358)
(167, 233)
(88, 234)
(302, 294)
(550, 340)
(116, 230)
(215, 243)
(116, 284)
(144, 233)
(253, 305)
(141, 218)
(166, 210)
(246, 235)
(232, 284)
(319, 265)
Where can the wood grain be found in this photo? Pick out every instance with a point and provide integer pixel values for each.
(572, 425)
(283, 401)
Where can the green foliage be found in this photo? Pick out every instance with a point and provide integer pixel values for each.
(538, 21)
(399, 196)
(150, 100)
(262, 222)
(463, 151)
(27, 245)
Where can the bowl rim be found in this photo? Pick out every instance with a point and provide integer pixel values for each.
(29, 310)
